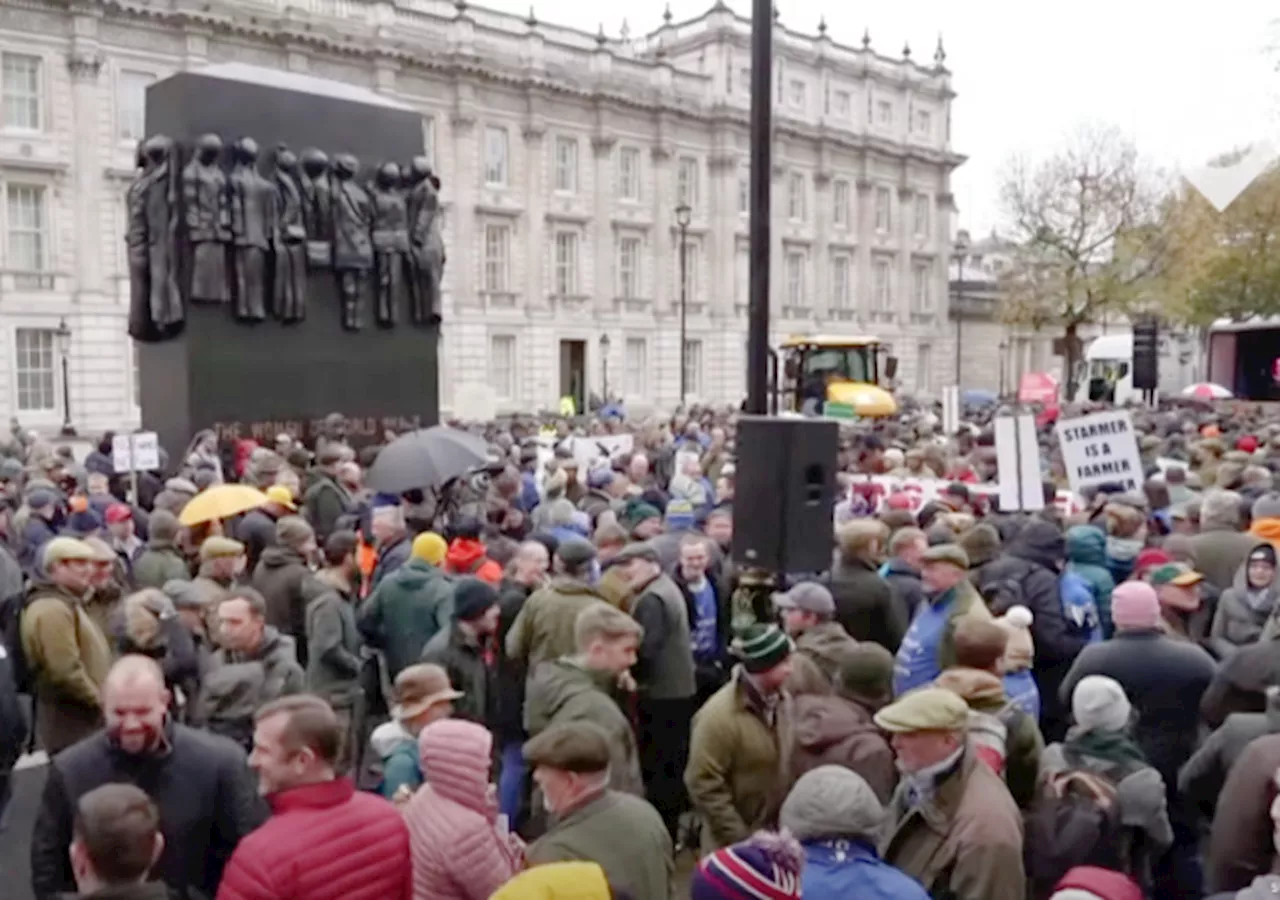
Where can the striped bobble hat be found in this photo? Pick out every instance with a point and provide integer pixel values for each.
(760, 647)
(766, 866)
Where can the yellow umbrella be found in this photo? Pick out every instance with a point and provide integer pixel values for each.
(222, 501)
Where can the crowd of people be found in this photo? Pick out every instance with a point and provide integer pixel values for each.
(549, 678)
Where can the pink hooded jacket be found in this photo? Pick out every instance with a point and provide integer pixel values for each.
(458, 851)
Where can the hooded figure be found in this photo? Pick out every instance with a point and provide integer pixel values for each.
(1245, 607)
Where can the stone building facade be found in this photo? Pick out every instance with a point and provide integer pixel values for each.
(564, 156)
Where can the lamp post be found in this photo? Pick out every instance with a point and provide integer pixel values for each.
(604, 366)
(683, 213)
(961, 250)
(1004, 350)
(63, 335)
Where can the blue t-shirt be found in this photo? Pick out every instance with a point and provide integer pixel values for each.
(705, 616)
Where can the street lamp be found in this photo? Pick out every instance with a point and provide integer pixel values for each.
(63, 335)
(604, 365)
(960, 252)
(683, 214)
(1004, 350)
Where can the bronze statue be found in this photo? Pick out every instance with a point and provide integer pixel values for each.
(159, 200)
(427, 254)
(352, 238)
(291, 252)
(208, 221)
(317, 208)
(390, 241)
(135, 240)
(254, 225)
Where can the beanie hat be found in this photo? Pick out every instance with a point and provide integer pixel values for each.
(472, 598)
(1094, 883)
(760, 647)
(1019, 652)
(680, 515)
(84, 522)
(41, 499)
(1263, 553)
(1149, 558)
(638, 511)
(832, 802)
(1099, 703)
(1267, 507)
(430, 548)
(1134, 606)
(766, 866)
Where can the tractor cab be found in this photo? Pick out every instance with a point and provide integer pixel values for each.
(838, 377)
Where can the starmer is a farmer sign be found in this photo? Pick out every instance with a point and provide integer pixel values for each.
(1100, 449)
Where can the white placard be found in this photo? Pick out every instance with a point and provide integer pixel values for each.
(587, 450)
(135, 452)
(1018, 463)
(1101, 449)
(950, 409)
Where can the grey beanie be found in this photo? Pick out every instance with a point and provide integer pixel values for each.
(832, 801)
(1267, 506)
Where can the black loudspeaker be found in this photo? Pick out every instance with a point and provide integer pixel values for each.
(1146, 355)
(784, 497)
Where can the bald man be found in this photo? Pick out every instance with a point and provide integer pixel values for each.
(200, 782)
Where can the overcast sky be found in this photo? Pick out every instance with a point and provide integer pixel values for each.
(1186, 81)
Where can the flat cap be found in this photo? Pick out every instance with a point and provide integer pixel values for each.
(576, 551)
(570, 747)
(183, 594)
(927, 709)
(807, 596)
(947, 553)
(218, 547)
(67, 549)
(636, 550)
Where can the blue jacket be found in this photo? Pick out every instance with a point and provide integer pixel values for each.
(1087, 556)
(836, 869)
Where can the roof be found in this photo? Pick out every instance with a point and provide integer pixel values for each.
(294, 81)
(829, 340)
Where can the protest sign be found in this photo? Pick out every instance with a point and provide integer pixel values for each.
(587, 450)
(1101, 449)
(1018, 464)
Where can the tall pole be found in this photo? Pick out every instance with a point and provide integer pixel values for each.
(67, 429)
(959, 314)
(761, 182)
(684, 312)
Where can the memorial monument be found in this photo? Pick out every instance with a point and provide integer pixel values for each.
(269, 212)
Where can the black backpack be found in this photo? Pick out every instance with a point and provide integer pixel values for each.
(11, 634)
(1075, 822)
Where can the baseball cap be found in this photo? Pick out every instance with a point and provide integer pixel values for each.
(1179, 574)
(118, 512)
(807, 596)
(281, 496)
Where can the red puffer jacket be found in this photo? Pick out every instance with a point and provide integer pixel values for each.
(323, 842)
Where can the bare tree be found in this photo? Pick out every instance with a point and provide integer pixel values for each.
(1088, 224)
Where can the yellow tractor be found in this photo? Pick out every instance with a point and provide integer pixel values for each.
(834, 376)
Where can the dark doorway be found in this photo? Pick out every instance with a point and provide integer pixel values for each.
(573, 373)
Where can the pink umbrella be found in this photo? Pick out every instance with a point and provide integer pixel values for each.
(1207, 390)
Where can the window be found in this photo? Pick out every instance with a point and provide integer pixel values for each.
(496, 146)
(35, 369)
(922, 215)
(842, 104)
(635, 368)
(28, 228)
(629, 267)
(743, 274)
(744, 195)
(690, 286)
(497, 259)
(921, 296)
(566, 165)
(796, 198)
(566, 264)
(131, 104)
(21, 80)
(884, 113)
(693, 367)
(502, 365)
(799, 93)
(744, 80)
(840, 293)
(840, 204)
(924, 367)
(629, 173)
(687, 182)
(883, 285)
(796, 297)
(884, 214)
(924, 122)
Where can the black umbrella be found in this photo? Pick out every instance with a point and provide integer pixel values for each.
(426, 459)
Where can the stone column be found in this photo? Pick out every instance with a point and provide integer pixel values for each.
(820, 285)
(864, 222)
(602, 228)
(85, 65)
(665, 292)
(535, 283)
